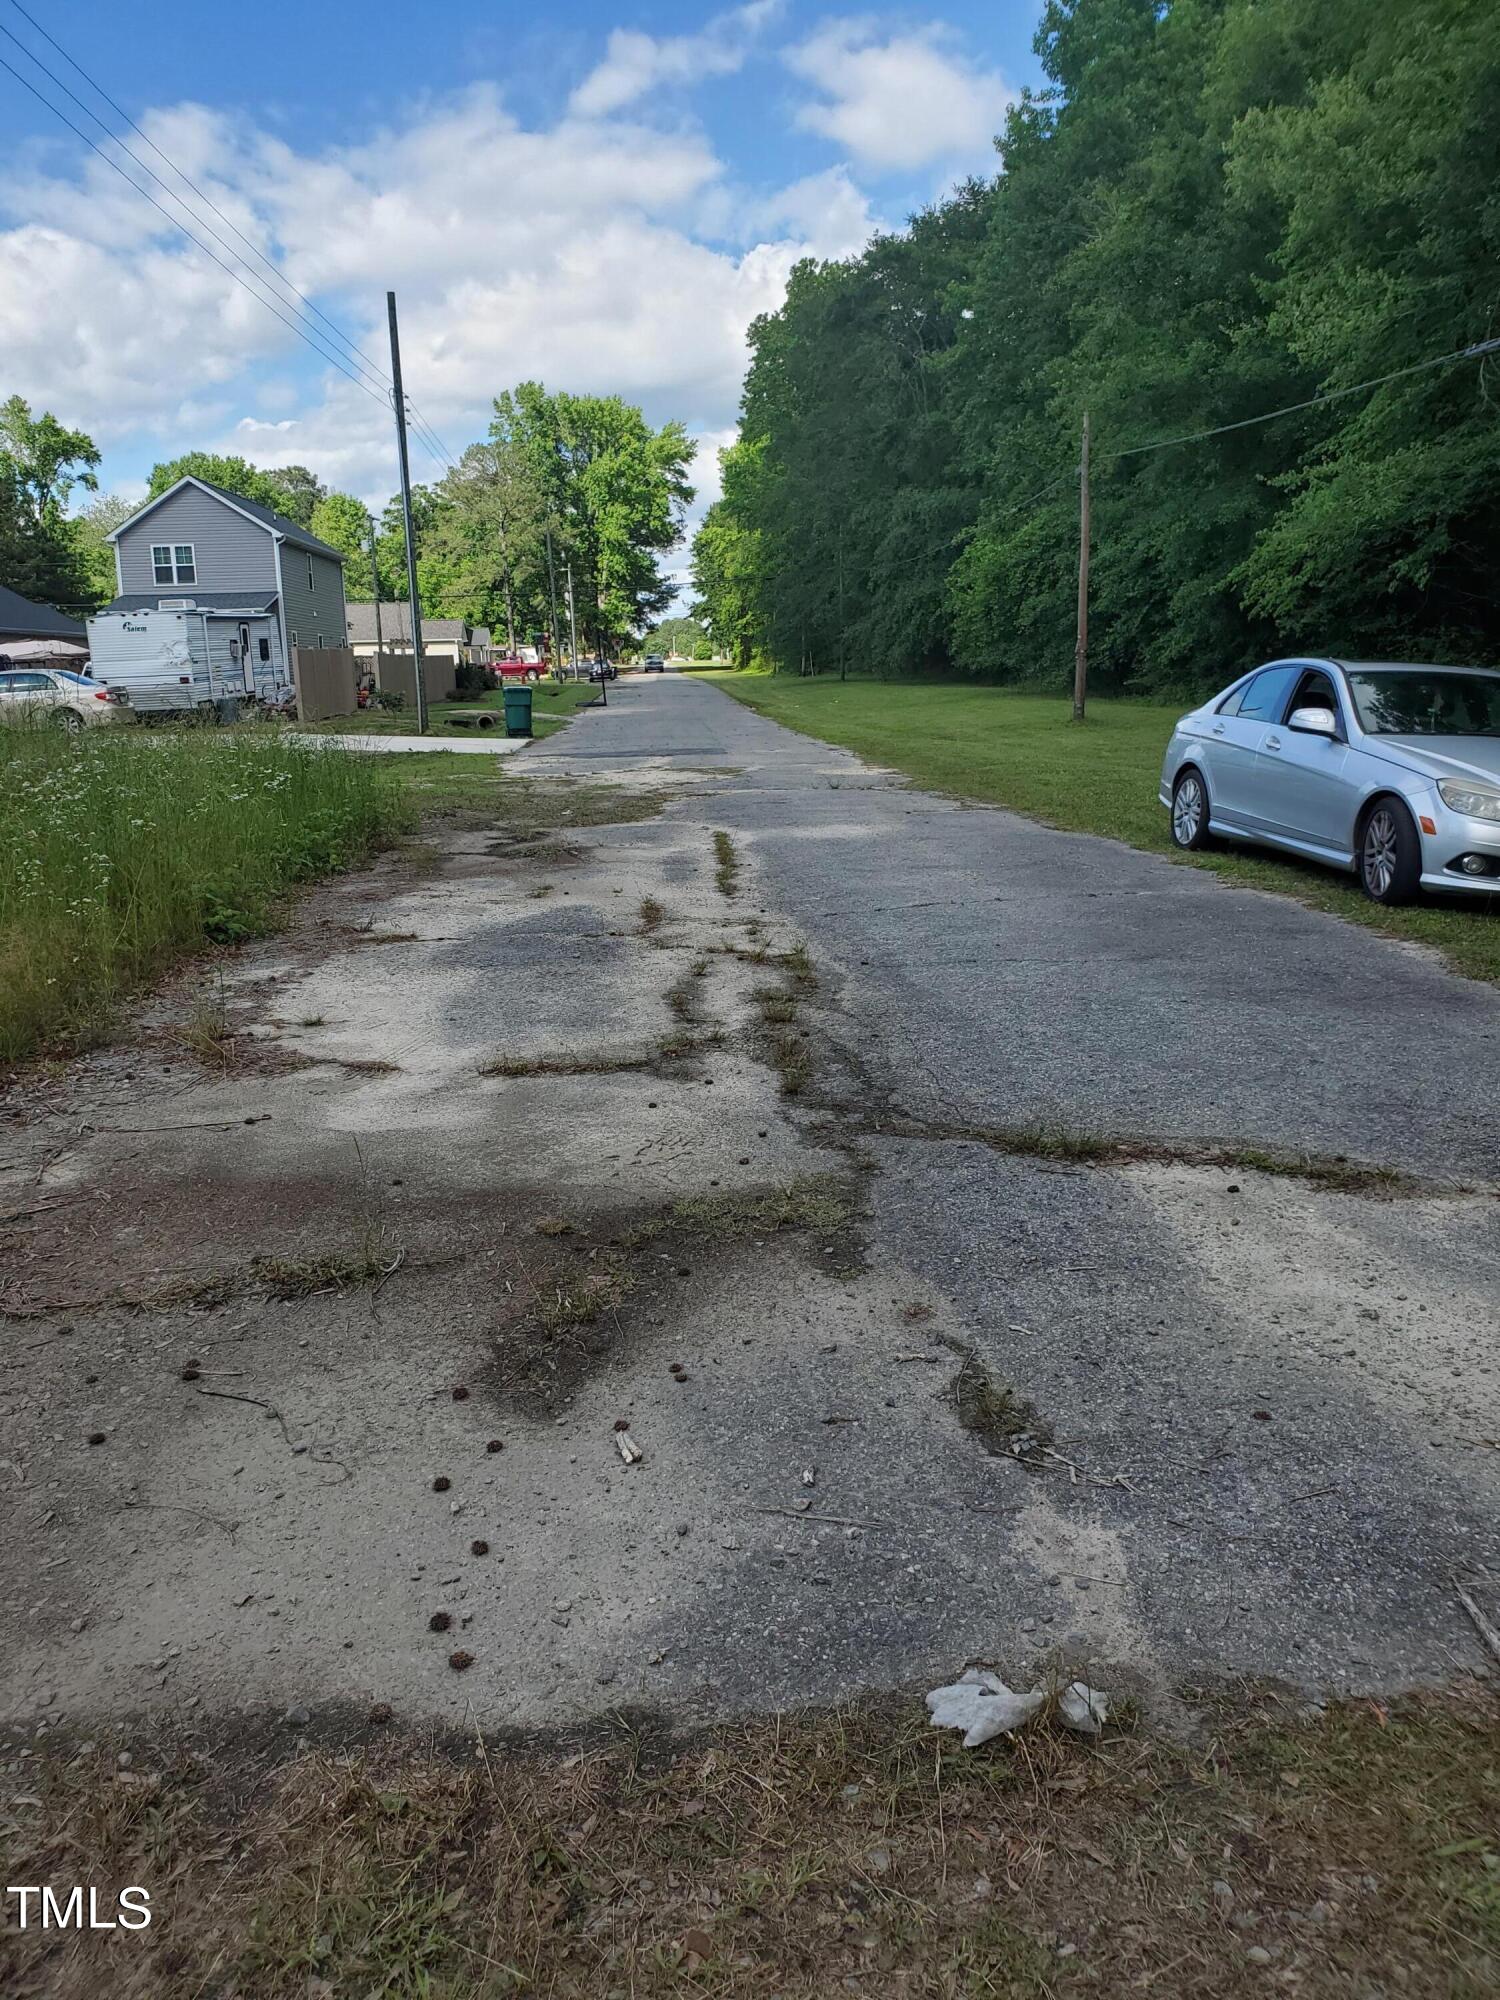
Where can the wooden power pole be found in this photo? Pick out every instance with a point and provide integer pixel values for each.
(414, 606)
(1081, 656)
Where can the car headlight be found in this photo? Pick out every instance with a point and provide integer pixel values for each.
(1473, 801)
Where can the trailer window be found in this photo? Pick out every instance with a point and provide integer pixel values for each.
(174, 562)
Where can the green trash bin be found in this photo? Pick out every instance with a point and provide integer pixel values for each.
(518, 711)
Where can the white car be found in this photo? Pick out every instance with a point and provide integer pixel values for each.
(1390, 771)
(52, 694)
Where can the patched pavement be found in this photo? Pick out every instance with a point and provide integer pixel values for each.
(526, 1099)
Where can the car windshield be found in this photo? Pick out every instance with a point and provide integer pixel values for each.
(1392, 703)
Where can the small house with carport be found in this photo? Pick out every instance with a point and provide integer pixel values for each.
(451, 641)
(263, 585)
(36, 632)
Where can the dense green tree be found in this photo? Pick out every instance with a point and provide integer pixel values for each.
(235, 475)
(681, 634)
(91, 528)
(41, 553)
(345, 524)
(610, 490)
(1211, 210)
(300, 491)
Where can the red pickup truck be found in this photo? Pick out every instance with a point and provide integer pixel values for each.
(511, 669)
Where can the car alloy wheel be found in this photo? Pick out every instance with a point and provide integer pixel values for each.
(1390, 855)
(1379, 855)
(1189, 810)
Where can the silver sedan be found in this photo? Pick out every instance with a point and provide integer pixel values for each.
(1391, 772)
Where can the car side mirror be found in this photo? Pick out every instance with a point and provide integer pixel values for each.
(1314, 721)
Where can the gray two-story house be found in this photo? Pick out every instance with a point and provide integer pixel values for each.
(202, 545)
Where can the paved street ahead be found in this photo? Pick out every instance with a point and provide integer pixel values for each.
(1259, 1413)
(995, 972)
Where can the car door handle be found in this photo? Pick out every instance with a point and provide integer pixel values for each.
(1271, 743)
(1218, 729)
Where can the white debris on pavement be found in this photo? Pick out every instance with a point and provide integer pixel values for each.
(981, 1705)
(1083, 1708)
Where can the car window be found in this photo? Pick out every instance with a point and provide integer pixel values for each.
(1230, 705)
(73, 680)
(1314, 690)
(1263, 699)
(30, 684)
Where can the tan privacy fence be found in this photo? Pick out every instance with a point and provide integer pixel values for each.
(396, 674)
(326, 678)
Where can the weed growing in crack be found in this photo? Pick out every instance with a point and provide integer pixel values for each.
(776, 1006)
(726, 864)
(675, 1047)
(206, 1032)
(1004, 1422)
(652, 915)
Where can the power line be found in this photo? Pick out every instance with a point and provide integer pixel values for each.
(427, 435)
(370, 368)
(1480, 347)
(145, 194)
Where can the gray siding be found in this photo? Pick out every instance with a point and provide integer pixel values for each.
(315, 614)
(268, 674)
(232, 552)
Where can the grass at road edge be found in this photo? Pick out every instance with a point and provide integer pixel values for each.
(123, 849)
(1004, 748)
(1332, 1854)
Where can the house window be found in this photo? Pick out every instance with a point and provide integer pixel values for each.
(312, 582)
(173, 562)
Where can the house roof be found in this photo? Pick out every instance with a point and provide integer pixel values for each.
(279, 524)
(201, 600)
(21, 619)
(395, 625)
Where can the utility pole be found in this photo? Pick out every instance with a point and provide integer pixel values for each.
(375, 585)
(552, 593)
(572, 620)
(411, 541)
(1081, 656)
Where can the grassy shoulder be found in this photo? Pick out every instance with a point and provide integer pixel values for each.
(552, 706)
(1335, 1853)
(123, 849)
(1024, 751)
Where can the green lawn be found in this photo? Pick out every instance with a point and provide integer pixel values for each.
(551, 707)
(125, 849)
(1024, 751)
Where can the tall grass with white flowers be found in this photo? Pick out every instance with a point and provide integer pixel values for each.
(122, 848)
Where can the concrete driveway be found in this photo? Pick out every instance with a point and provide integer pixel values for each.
(980, 1230)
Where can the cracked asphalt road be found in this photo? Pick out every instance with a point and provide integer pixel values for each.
(1265, 1412)
(1003, 973)
(1306, 1383)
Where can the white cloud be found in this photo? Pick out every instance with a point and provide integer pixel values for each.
(635, 63)
(902, 101)
(575, 254)
(825, 211)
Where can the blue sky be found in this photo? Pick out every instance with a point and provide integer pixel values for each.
(599, 195)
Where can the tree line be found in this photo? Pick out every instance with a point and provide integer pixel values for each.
(562, 487)
(1214, 209)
